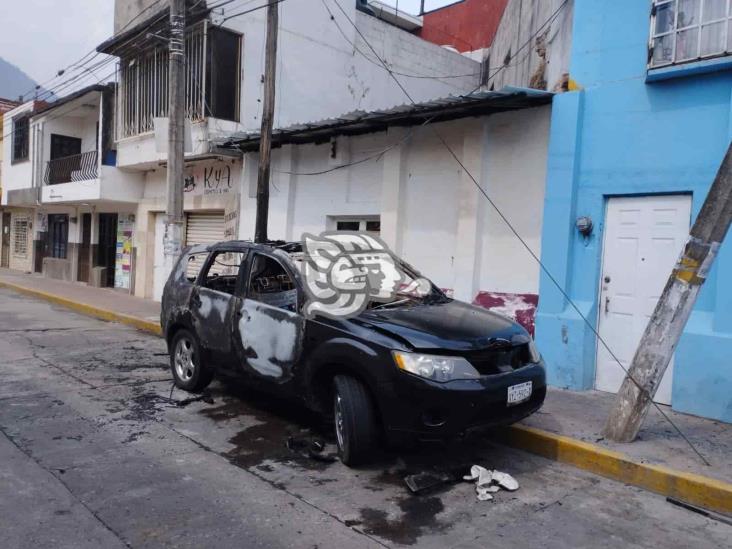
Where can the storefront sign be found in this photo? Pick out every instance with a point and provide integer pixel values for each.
(123, 264)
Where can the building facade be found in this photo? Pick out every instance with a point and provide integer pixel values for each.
(72, 211)
(635, 151)
(5, 216)
(325, 69)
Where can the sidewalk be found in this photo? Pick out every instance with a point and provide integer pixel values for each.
(104, 303)
(582, 416)
(567, 429)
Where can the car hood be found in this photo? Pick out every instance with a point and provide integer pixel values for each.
(450, 325)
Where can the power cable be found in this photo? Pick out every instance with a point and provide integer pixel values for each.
(523, 242)
(93, 51)
(374, 62)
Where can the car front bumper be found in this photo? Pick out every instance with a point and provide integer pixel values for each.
(430, 410)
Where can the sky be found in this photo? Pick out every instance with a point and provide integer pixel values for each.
(43, 36)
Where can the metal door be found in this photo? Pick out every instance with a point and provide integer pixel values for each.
(5, 257)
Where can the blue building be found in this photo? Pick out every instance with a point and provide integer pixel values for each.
(635, 149)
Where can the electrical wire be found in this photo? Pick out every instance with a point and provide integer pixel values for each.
(92, 52)
(374, 62)
(513, 230)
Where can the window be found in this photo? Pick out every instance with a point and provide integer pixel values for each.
(195, 264)
(431, 5)
(369, 225)
(212, 81)
(20, 236)
(21, 135)
(223, 272)
(689, 30)
(270, 284)
(58, 235)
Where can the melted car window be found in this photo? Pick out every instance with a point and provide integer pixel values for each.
(270, 284)
(223, 272)
(195, 263)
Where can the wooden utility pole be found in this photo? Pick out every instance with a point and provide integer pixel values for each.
(172, 240)
(265, 141)
(673, 309)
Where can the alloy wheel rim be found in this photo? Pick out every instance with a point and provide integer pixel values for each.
(184, 360)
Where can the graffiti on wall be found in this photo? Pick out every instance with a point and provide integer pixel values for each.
(213, 179)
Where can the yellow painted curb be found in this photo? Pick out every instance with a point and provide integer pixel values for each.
(89, 310)
(709, 493)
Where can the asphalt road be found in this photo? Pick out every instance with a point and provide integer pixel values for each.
(96, 451)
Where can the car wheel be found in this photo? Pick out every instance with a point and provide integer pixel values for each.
(355, 420)
(188, 369)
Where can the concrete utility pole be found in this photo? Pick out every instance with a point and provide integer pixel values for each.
(265, 142)
(172, 240)
(673, 309)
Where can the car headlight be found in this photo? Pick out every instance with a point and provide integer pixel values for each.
(434, 367)
(534, 354)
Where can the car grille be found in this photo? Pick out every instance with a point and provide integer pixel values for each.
(499, 360)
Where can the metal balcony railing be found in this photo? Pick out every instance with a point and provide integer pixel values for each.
(78, 167)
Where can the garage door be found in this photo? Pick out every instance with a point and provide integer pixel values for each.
(203, 228)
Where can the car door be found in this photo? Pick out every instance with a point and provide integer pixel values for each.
(213, 303)
(269, 331)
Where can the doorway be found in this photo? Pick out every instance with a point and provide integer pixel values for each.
(84, 264)
(107, 251)
(5, 254)
(643, 238)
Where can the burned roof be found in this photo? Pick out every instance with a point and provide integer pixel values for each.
(360, 122)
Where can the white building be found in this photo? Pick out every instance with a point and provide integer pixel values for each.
(325, 68)
(72, 210)
(388, 173)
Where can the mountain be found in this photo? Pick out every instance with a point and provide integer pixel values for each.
(14, 82)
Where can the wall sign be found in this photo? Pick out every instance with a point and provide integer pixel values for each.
(210, 179)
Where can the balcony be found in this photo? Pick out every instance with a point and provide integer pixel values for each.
(68, 169)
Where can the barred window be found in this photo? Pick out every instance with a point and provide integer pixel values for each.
(20, 236)
(213, 58)
(21, 136)
(689, 30)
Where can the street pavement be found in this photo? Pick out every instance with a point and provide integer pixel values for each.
(98, 450)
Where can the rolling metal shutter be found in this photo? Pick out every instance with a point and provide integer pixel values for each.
(203, 228)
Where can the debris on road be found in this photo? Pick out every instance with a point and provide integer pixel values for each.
(700, 510)
(422, 482)
(312, 448)
(485, 479)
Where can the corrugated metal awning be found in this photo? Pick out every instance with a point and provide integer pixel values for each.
(360, 122)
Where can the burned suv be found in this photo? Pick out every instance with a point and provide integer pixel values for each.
(413, 367)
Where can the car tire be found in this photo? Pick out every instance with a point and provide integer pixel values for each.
(190, 373)
(354, 420)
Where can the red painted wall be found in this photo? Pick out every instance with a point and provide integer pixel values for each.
(467, 25)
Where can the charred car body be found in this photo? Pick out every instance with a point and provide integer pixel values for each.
(429, 367)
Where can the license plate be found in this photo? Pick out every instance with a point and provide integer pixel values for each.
(519, 393)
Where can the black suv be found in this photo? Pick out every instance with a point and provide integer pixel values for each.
(425, 367)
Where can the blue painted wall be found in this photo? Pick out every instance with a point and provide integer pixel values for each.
(624, 135)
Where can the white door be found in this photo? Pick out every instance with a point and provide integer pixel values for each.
(643, 239)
